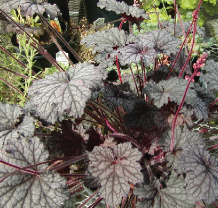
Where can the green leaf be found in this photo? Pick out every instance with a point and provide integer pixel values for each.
(187, 4)
(211, 1)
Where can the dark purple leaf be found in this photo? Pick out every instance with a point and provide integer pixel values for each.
(95, 138)
(114, 94)
(70, 141)
(163, 114)
(201, 172)
(115, 168)
(21, 189)
(141, 116)
(180, 62)
(159, 75)
(64, 93)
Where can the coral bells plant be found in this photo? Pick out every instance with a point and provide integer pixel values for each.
(142, 139)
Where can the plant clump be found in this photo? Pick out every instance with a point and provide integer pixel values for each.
(137, 140)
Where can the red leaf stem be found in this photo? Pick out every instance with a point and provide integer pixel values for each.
(21, 75)
(10, 85)
(118, 70)
(90, 197)
(121, 24)
(196, 69)
(20, 169)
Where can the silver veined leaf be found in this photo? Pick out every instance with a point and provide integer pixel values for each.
(211, 77)
(10, 116)
(206, 95)
(64, 93)
(180, 62)
(123, 9)
(170, 195)
(182, 136)
(105, 59)
(137, 52)
(170, 27)
(105, 41)
(163, 42)
(172, 89)
(197, 106)
(201, 172)
(115, 168)
(30, 7)
(21, 189)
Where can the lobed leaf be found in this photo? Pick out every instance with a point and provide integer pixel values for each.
(123, 9)
(169, 195)
(211, 77)
(10, 124)
(30, 7)
(201, 172)
(194, 105)
(172, 89)
(160, 74)
(21, 189)
(141, 116)
(107, 40)
(182, 136)
(170, 27)
(115, 168)
(162, 41)
(206, 95)
(118, 97)
(180, 62)
(64, 93)
(137, 52)
(69, 141)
